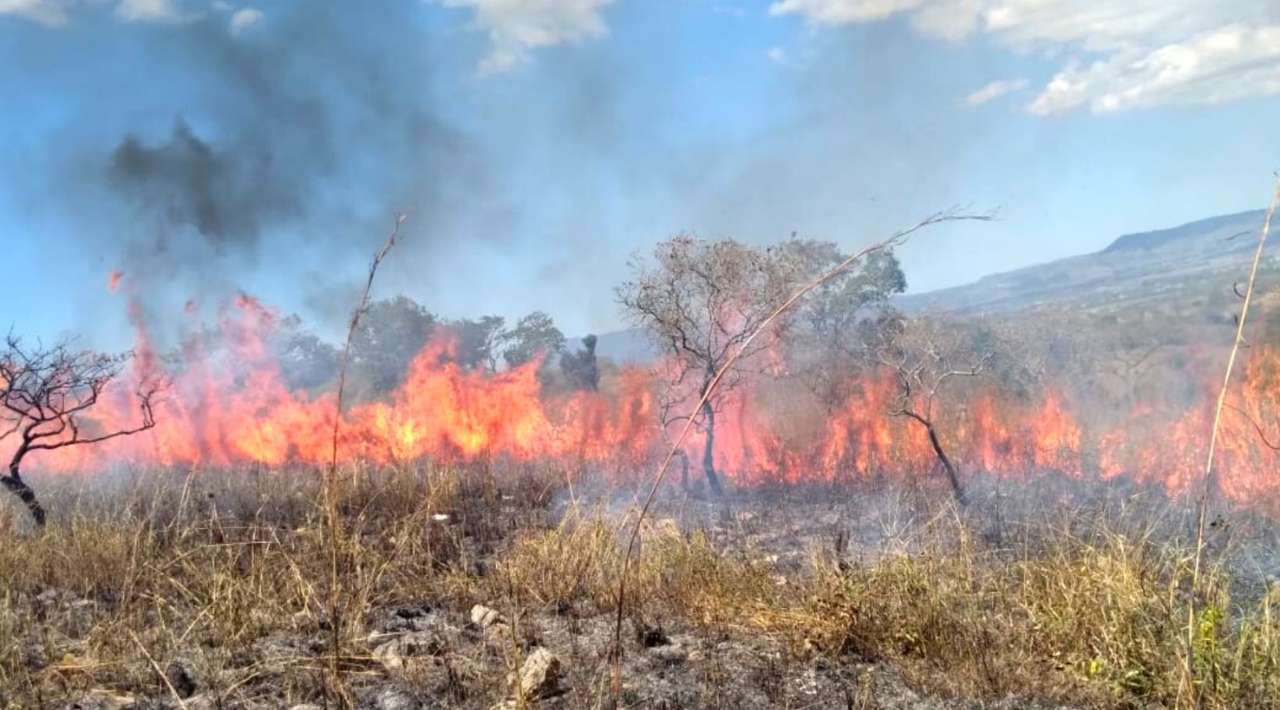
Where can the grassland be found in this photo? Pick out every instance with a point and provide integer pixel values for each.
(215, 590)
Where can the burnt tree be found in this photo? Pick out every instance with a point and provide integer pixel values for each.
(44, 392)
(924, 357)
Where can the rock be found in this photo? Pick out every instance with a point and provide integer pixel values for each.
(540, 674)
(203, 702)
(181, 678)
(103, 699)
(394, 699)
(394, 654)
(484, 617)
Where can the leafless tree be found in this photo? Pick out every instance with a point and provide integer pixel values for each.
(44, 392)
(926, 356)
(701, 301)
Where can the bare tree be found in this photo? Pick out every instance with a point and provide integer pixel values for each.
(43, 394)
(700, 302)
(926, 356)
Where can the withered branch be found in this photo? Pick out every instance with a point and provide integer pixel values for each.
(44, 392)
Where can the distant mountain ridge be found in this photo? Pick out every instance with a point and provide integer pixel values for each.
(1163, 237)
(1179, 262)
(1192, 265)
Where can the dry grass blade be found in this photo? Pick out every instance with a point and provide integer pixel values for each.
(1209, 482)
(177, 697)
(897, 239)
(330, 497)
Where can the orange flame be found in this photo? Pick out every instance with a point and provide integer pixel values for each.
(231, 407)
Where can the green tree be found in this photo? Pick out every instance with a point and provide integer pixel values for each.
(479, 341)
(391, 334)
(533, 335)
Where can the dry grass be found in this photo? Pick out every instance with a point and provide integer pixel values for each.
(227, 574)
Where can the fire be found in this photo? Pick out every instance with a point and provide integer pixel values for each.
(229, 405)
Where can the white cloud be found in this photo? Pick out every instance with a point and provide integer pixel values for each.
(149, 11)
(777, 55)
(838, 12)
(51, 13)
(518, 27)
(1223, 65)
(1116, 55)
(995, 90)
(57, 13)
(243, 19)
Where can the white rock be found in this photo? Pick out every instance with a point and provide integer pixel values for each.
(540, 674)
(484, 617)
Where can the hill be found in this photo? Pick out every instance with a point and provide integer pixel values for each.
(1189, 266)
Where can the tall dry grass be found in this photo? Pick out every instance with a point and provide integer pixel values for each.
(228, 573)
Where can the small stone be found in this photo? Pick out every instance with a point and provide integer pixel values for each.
(394, 654)
(394, 699)
(540, 674)
(102, 699)
(202, 702)
(484, 617)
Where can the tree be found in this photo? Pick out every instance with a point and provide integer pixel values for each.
(479, 341)
(534, 335)
(306, 361)
(925, 357)
(700, 301)
(391, 334)
(580, 367)
(841, 321)
(43, 394)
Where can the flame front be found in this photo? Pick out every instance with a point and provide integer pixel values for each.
(236, 409)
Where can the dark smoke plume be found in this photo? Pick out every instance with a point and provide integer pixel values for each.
(228, 195)
(287, 150)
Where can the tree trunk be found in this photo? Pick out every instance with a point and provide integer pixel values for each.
(684, 469)
(14, 483)
(952, 475)
(708, 453)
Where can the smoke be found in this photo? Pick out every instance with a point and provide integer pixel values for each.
(272, 158)
(226, 195)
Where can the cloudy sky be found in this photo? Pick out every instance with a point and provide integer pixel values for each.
(208, 147)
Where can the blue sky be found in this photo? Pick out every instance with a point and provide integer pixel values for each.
(205, 148)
